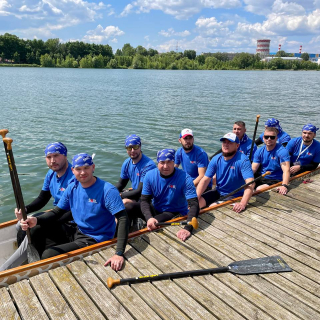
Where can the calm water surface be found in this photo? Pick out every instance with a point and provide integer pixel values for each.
(93, 110)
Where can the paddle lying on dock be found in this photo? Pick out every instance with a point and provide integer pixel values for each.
(271, 264)
(243, 186)
(193, 222)
(32, 253)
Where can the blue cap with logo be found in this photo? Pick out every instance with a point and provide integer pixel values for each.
(166, 154)
(231, 137)
(273, 123)
(132, 140)
(82, 159)
(56, 147)
(310, 127)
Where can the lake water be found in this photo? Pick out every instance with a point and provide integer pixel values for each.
(92, 110)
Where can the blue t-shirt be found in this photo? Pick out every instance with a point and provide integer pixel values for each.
(169, 194)
(311, 153)
(245, 146)
(271, 160)
(191, 161)
(56, 185)
(282, 137)
(230, 174)
(136, 172)
(93, 208)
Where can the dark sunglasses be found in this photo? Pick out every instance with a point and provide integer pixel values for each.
(269, 137)
(134, 147)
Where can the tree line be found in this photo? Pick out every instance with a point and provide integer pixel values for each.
(78, 54)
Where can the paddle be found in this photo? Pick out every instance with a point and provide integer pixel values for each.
(254, 136)
(243, 186)
(245, 267)
(3, 133)
(193, 222)
(32, 253)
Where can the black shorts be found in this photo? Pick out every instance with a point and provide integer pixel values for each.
(211, 197)
(269, 182)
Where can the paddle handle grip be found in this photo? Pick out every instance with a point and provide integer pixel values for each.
(156, 277)
(193, 223)
(265, 174)
(3, 133)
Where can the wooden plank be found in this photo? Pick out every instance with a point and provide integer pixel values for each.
(82, 305)
(254, 239)
(7, 308)
(129, 299)
(291, 203)
(165, 263)
(304, 196)
(156, 295)
(287, 217)
(50, 297)
(97, 291)
(211, 307)
(297, 285)
(274, 239)
(27, 302)
(286, 299)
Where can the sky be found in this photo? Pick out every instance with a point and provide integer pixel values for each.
(165, 25)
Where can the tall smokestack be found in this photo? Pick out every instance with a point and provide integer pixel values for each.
(300, 49)
(279, 47)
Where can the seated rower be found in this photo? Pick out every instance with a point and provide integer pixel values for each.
(283, 137)
(272, 157)
(172, 193)
(304, 151)
(94, 204)
(133, 169)
(239, 129)
(232, 169)
(193, 159)
(56, 181)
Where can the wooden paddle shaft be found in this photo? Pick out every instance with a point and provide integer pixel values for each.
(254, 136)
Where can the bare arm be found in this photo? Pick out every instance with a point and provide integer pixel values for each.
(255, 166)
(285, 166)
(203, 184)
(176, 166)
(201, 172)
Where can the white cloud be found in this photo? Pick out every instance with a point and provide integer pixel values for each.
(182, 9)
(289, 8)
(170, 33)
(147, 38)
(211, 26)
(100, 35)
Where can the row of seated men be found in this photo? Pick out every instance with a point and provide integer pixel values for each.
(88, 210)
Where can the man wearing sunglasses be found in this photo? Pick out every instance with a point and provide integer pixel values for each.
(304, 151)
(193, 159)
(134, 169)
(272, 157)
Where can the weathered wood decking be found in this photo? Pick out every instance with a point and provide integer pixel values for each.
(288, 226)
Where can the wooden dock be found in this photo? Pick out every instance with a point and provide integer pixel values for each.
(273, 224)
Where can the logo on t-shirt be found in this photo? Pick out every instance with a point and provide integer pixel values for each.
(62, 189)
(309, 153)
(92, 200)
(138, 174)
(232, 167)
(274, 158)
(193, 162)
(172, 186)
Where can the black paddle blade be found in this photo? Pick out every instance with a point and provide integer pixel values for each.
(260, 265)
(32, 254)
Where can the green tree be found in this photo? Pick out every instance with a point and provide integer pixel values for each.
(305, 56)
(211, 63)
(141, 50)
(98, 61)
(190, 54)
(201, 59)
(128, 50)
(86, 62)
(47, 61)
(16, 57)
(52, 46)
(282, 53)
(221, 56)
(243, 60)
(152, 52)
(118, 52)
(138, 62)
(113, 64)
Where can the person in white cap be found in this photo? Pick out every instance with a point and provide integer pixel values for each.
(193, 159)
(232, 169)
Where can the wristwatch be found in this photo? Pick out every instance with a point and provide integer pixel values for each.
(285, 185)
(119, 253)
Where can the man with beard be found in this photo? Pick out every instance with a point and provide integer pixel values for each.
(192, 158)
(171, 192)
(232, 169)
(239, 129)
(134, 169)
(304, 151)
(272, 157)
(94, 204)
(55, 183)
